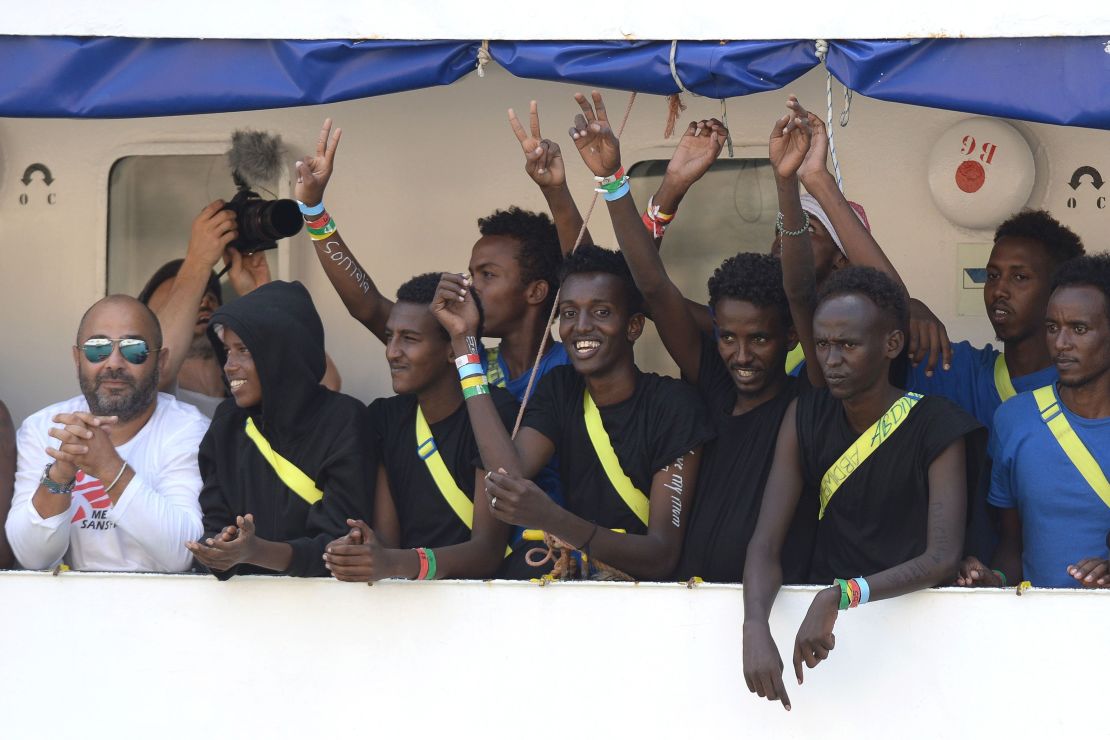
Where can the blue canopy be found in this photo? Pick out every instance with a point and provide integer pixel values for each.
(1051, 80)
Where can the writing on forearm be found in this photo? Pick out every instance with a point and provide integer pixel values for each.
(345, 262)
(676, 485)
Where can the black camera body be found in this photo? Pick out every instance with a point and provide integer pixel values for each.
(262, 222)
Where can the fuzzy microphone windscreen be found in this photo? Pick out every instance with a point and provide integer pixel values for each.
(256, 156)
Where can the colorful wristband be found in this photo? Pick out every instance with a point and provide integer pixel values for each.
(471, 368)
(431, 574)
(420, 553)
(317, 223)
(477, 390)
(329, 226)
(315, 210)
(1001, 575)
(603, 181)
(473, 381)
(619, 193)
(845, 598)
(463, 360)
(864, 590)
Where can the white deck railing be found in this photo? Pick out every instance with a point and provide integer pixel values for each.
(87, 655)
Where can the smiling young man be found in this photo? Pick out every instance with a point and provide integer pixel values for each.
(1027, 250)
(431, 514)
(285, 462)
(1051, 449)
(888, 467)
(628, 442)
(108, 480)
(739, 372)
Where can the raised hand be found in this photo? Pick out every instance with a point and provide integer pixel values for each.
(815, 637)
(454, 306)
(543, 158)
(815, 163)
(213, 229)
(247, 271)
(789, 141)
(313, 173)
(697, 150)
(596, 142)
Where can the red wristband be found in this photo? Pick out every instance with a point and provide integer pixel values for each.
(423, 563)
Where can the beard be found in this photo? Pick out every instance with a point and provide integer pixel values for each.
(127, 404)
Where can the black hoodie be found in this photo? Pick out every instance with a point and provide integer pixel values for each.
(320, 431)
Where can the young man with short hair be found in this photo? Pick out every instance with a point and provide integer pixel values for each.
(1051, 449)
(738, 370)
(285, 462)
(1028, 248)
(431, 513)
(628, 442)
(889, 466)
(108, 480)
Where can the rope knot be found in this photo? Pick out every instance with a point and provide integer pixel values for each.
(821, 49)
(483, 58)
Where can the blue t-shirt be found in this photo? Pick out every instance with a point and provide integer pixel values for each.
(970, 382)
(1063, 520)
(556, 355)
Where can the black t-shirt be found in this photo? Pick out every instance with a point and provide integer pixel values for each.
(733, 475)
(660, 422)
(878, 517)
(426, 519)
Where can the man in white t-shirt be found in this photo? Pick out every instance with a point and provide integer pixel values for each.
(108, 480)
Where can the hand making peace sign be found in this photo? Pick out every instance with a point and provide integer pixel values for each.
(313, 173)
(544, 160)
(596, 142)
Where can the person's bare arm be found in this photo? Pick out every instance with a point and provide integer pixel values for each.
(213, 229)
(597, 143)
(695, 154)
(544, 164)
(763, 566)
(7, 480)
(351, 281)
(787, 148)
(650, 556)
(937, 565)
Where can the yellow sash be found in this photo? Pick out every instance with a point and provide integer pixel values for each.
(794, 358)
(1002, 378)
(1077, 452)
(445, 482)
(634, 497)
(493, 367)
(290, 474)
(862, 448)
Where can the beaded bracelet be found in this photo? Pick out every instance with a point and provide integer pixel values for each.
(780, 225)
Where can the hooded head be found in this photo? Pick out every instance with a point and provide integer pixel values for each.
(277, 327)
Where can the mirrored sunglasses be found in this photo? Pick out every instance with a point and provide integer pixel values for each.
(99, 349)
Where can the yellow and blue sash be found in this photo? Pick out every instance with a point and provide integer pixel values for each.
(292, 476)
(794, 358)
(1002, 381)
(633, 496)
(862, 448)
(1077, 452)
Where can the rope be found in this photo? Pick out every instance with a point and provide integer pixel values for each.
(483, 58)
(555, 304)
(822, 51)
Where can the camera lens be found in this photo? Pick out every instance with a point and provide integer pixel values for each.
(270, 220)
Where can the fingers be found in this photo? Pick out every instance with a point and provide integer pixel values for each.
(322, 140)
(1091, 572)
(333, 145)
(780, 127)
(798, 658)
(915, 342)
(933, 350)
(945, 346)
(65, 456)
(304, 172)
(587, 109)
(246, 523)
(534, 119)
(599, 106)
(518, 130)
(366, 533)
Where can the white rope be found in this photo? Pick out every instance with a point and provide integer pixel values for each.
(822, 51)
(724, 120)
(483, 58)
(674, 71)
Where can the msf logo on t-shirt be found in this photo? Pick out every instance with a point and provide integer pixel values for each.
(92, 503)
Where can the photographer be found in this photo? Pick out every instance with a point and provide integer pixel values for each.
(185, 293)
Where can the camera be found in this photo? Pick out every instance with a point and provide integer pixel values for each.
(262, 222)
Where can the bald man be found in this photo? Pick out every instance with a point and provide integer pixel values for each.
(108, 480)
